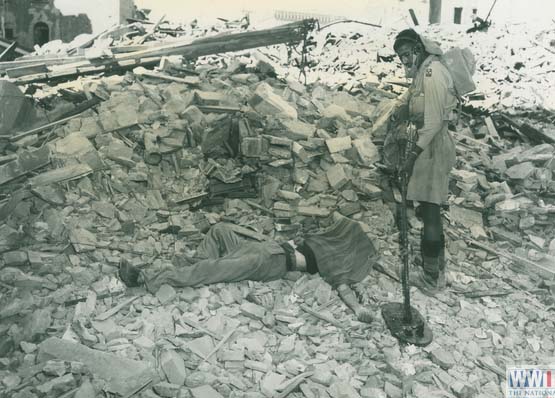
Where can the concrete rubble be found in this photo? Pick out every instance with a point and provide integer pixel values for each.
(141, 175)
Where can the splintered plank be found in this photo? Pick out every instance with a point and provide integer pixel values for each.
(116, 309)
(26, 162)
(27, 70)
(491, 127)
(62, 174)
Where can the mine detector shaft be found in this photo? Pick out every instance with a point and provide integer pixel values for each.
(404, 322)
(406, 145)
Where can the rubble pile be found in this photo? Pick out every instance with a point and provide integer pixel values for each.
(158, 156)
(514, 69)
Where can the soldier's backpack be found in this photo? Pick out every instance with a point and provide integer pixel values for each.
(461, 64)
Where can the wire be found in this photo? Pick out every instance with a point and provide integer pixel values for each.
(350, 21)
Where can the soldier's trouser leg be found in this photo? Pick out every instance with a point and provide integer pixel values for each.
(432, 243)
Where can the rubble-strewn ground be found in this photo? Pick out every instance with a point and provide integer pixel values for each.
(144, 174)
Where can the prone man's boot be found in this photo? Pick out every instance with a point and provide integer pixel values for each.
(129, 274)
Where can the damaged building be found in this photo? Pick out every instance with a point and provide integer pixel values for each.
(36, 22)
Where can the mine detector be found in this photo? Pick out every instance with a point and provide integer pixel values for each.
(404, 321)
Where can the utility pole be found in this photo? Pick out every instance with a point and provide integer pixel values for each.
(435, 11)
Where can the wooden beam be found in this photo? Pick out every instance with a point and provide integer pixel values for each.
(82, 107)
(289, 33)
(8, 52)
(413, 17)
(532, 267)
(529, 131)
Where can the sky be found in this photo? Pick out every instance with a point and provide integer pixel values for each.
(103, 13)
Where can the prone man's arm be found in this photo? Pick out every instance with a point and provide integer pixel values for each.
(348, 296)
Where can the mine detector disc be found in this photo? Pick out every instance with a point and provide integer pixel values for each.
(415, 331)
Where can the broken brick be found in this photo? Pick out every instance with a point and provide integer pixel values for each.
(339, 144)
(337, 177)
(205, 392)
(252, 310)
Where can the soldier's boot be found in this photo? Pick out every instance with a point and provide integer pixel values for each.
(426, 277)
(441, 280)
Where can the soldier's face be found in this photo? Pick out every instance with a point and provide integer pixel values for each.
(406, 55)
(409, 58)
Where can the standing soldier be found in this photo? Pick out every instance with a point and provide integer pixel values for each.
(429, 104)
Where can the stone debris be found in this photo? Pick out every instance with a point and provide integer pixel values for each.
(142, 173)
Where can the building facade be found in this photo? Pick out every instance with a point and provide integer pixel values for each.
(36, 22)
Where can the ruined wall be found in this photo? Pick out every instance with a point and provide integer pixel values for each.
(30, 12)
(126, 10)
(74, 25)
(34, 21)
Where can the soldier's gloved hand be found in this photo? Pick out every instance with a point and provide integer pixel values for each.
(401, 114)
(364, 315)
(411, 158)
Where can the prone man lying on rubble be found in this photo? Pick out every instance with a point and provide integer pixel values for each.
(342, 254)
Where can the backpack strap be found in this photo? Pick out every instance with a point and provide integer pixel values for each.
(459, 105)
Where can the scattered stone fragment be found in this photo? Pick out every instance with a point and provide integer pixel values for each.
(167, 390)
(173, 366)
(28, 347)
(86, 390)
(342, 389)
(166, 294)
(295, 130)
(37, 323)
(443, 358)
(367, 151)
(270, 383)
(82, 240)
(252, 310)
(339, 144)
(144, 342)
(205, 392)
(58, 386)
(337, 177)
(462, 390)
(15, 258)
(11, 381)
(392, 391)
(520, 171)
(367, 392)
(267, 102)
